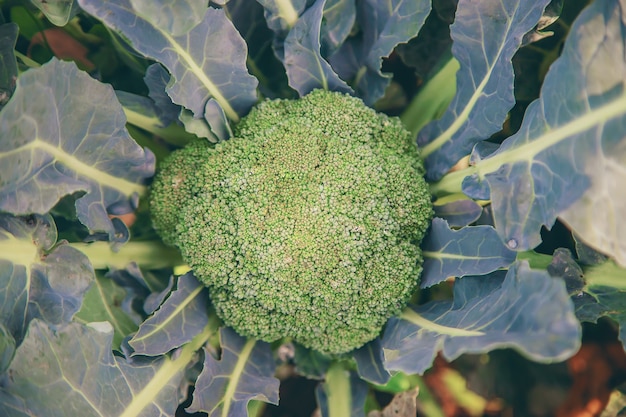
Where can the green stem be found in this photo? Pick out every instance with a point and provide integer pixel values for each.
(433, 98)
(148, 254)
(174, 134)
(337, 388)
(606, 274)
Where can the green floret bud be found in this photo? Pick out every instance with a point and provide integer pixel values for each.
(306, 224)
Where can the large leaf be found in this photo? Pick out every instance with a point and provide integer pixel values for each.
(474, 250)
(486, 35)
(383, 24)
(63, 142)
(37, 278)
(73, 373)
(244, 372)
(207, 62)
(182, 316)
(306, 69)
(175, 16)
(569, 155)
(527, 310)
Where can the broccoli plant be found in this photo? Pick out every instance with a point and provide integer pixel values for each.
(204, 205)
(306, 224)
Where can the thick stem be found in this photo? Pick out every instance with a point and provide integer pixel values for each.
(148, 254)
(337, 387)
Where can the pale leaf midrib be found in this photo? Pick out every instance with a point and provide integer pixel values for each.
(126, 187)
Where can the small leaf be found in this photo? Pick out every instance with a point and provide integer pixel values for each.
(527, 310)
(103, 302)
(306, 69)
(37, 278)
(59, 12)
(175, 16)
(207, 62)
(339, 17)
(383, 24)
(8, 64)
(310, 363)
(459, 213)
(472, 250)
(157, 79)
(182, 316)
(370, 363)
(245, 372)
(485, 36)
(65, 142)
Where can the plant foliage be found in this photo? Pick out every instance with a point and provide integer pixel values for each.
(99, 317)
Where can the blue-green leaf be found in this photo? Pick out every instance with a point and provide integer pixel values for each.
(370, 363)
(459, 213)
(306, 69)
(282, 15)
(59, 12)
(383, 24)
(182, 316)
(339, 17)
(569, 155)
(526, 310)
(103, 302)
(157, 79)
(72, 372)
(175, 16)
(64, 142)
(37, 278)
(8, 64)
(485, 36)
(472, 250)
(244, 372)
(207, 62)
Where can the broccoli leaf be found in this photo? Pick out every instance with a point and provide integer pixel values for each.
(245, 372)
(306, 69)
(338, 18)
(370, 363)
(527, 310)
(76, 364)
(183, 315)
(459, 213)
(568, 157)
(207, 62)
(157, 78)
(174, 16)
(103, 302)
(282, 15)
(59, 12)
(342, 394)
(49, 147)
(7, 348)
(384, 24)
(8, 64)
(474, 250)
(485, 36)
(38, 279)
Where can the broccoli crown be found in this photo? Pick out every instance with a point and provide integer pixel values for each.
(306, 224)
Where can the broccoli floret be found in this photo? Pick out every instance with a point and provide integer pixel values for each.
(306, 224)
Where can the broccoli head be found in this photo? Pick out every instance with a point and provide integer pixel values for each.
(306, 224)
